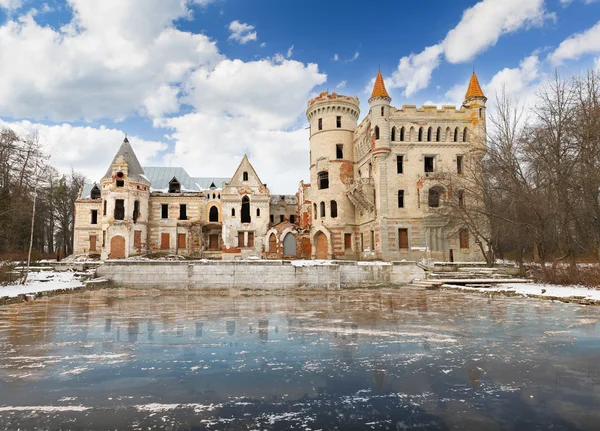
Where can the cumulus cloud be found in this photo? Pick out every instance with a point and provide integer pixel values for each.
(241, 32)
(414, 71)
(11, 4)
(577, 45)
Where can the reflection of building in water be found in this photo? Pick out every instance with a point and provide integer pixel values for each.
(179, 330)
(230, 325)
(199, 326)
(107, 325)
(263, 329)
(133, 330)
(150, 330)
(379, 376)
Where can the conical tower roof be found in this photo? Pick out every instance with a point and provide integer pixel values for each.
(379, 87)
(474, 89)
(134, 169)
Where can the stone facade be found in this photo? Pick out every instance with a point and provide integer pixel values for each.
(377, 191)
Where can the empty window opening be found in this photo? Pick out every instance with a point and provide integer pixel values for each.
(94, 217)
(463, 236)
(292, 218)
(382, 111)
(174, 186)
(322, 209)
(120, 183)
(461, 198)
(95, 193)
(429, 134)
(320, 124)
(465, 134)
(420, 134)
(480, 112)
(213, 214)
(119, 209)
(323, 180)
(182, 212)
(257, 212)
(348, 241)
(428, 164)
(214, 196)
(400, 198)
(438, 134)
(181, 240)
(362, 242)
(315, 210)
(372, 240)
(232, 212)
(103, 238)
(338, 121)
(376, 132)
(434, 198)
(136, 211)
(333, 209)
(245, 176)
(271, 218)
(456, 135)
(339, 151)
(246, 210)
(403, 239)
(459, 165)
(164, 210)
(393, 138)
(104, 208)
(281, 218)
(402, 133)
(399, 164)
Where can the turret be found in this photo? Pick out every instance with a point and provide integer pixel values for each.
(379, 104)
(475, 101)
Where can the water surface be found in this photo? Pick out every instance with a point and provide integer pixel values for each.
(357, 359)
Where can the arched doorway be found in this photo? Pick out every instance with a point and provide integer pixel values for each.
(289, 245)
(117, 247)
(321, 246)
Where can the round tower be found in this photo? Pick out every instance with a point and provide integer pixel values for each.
(332, 119)
(379, 111)
(475, 102)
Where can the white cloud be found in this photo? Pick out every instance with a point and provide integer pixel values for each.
(355, 56)
(241, 32)
(290, 51)
(414, 71)
(577, 45)
(568, 2)
(335, 57)
(342, 84)
(11, 4)
(262, 45)
(482, 25)
(517, 81)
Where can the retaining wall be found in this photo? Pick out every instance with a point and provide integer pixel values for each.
(256, 275)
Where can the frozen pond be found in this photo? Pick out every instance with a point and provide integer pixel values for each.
(357, 359)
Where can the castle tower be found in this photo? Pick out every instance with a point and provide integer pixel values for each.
(125, 196)
(379, 104)
(475, 101)
(332, 119)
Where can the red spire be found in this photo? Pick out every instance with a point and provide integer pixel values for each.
(379, 87)
(474, 89)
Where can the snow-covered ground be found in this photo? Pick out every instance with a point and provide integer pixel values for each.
(538, 289)
(43, 281)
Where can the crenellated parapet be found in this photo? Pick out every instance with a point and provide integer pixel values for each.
(330, 103)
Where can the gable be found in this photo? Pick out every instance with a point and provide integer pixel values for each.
(245, 175)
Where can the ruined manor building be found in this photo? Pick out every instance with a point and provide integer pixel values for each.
(377, 190)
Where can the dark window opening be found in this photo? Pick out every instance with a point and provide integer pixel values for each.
(362, 241)
(400, 164)
(103, 238)
(213, 214)
(456, 135)
(333, 209)
(463, 236)
(480, 112)
(120, 183)
(182, 212)
(104, 208)
(429, 134)
(393, 134)
(420, 134)
(174, 186)
(400, 198)
(136, 211)
(429, 164)
(372, 240)
(459, 165)
(320, 124)
(271, 218)
(461, 198)
(402, 134)
(232, 212)
(315, 210)
(257, 212)
(338, 121)
(322, 209)
(246, 210)
(434, 197)
(382, 111)
(438, 134)
(323, 180)
(339, 151)
(292, 218)
(281, 219)
(119, 209)
(164, 210)
(376, 132)
(465, 134)
(245, 176)
(94, 217)
(403, 238)
(95, 193)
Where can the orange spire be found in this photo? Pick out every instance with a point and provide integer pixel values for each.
(379, 87)
(474, 89)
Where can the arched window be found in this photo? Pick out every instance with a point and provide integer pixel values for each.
(382, 111)
(411, 134)
(465, 135)
(136, 211)
(322, 209)
(246, 210)
(448, 134)
(456, 135)
(214, 196)
(393, 133)
(402, 133)
(272, 243)
(323, 180)
(435, 196)
(461, 198)
(232, 212)
(376, 132)
(174, 186)
(213, 214)
(315, 210)
(257, 212)
(438, 134)
(429, 134)
(420, 134)
(333, 209)
(245, 176)
(95, 193)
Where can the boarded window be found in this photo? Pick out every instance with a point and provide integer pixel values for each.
(403, 238)
(333, 209)
(339, 151)
(164, 210)
(323, 180)
(182, 212)
(428, 164)
(241, 239)
(400, 198)
(463, 236)
(213, 242)
(181, 240)
(94, 217)
(92, 242)
(246, 210)
(400, 164)
(347, 241)
(272, 243)
(119, 209)
(137, 239)
(338, 121)
(164, 241)
(213, 214)
(459, 165)
(250, 239)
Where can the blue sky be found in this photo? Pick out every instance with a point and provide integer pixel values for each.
(198, 83)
